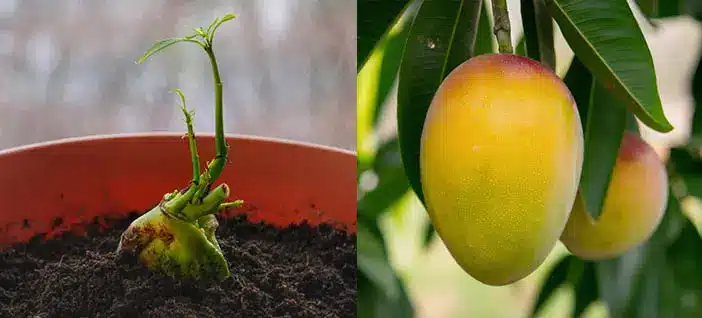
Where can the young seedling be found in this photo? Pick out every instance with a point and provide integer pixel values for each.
(177, 237)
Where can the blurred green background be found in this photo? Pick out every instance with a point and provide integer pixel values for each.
(435, 285)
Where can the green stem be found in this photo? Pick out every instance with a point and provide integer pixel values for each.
(174, 206)
(502, 27)
(217, 165)
(210, 204)
(235, 204)
(191, 138)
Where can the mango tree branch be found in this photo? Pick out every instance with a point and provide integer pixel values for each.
(502, 28)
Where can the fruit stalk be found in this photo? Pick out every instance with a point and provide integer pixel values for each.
(502, 27)
(177, 237)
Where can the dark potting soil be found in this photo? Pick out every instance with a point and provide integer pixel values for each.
(300, 271)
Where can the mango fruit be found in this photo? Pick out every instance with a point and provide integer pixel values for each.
(500, 161)
(633, 207)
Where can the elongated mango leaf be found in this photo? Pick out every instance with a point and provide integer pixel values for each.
(374, 18)
(556, 278)
(378, 75)
(696, 89)
(380, 292)
(606, 122)
(579, 82)
(638, 283)
(392, 181)
(687, 167)
(606, 37)
(586, 290)
(669, 8)
(442, 35)
(484, 43)
(650, 7)
(538, 32)
(520, 49)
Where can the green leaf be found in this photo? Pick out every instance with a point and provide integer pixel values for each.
(696, 89)
(483, 40)
(579, 82)
(392, 47)
(649, 7)
(687, 166)
(586, 290)
(442, 35)
(392, 181)
(538, 32)
(160, 45)
(693, 8)
(669, 8)
(374, 18)
(556, 278)
(606, 122)
(638, 283)
(373, 303)
(380, 292)
(616, 278)
(520, 49)
(372, 259)
(606, 37)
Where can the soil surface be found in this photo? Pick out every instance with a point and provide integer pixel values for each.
(300, 271)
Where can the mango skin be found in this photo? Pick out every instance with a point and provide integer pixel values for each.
(633, 208)
(500, 160)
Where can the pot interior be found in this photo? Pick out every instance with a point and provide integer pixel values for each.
(54, 187)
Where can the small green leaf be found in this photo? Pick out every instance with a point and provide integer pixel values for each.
(538, 32)
(374, 19)
(200, 32)
(215, 25)
(212, 24)
(442, 36)
(606, 122)
(162, 45)
(606, 37)
(556, 278)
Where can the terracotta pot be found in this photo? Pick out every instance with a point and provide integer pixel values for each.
(86, 179)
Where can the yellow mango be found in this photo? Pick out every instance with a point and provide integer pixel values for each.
(500, 161)
(633, 207)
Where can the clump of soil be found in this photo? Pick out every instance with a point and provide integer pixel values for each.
(299, 271)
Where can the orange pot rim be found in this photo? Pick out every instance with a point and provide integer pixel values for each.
(88, 138)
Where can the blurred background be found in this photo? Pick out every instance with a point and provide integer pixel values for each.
(436, 286)
(67, 68)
